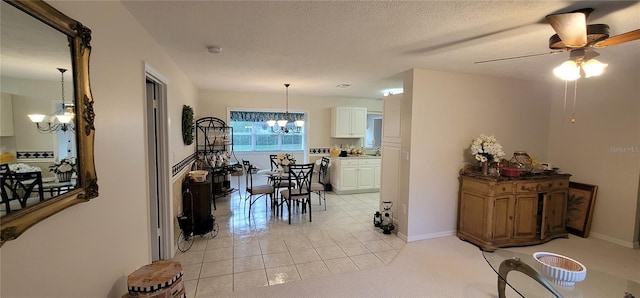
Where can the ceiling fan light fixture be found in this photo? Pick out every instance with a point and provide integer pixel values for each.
(568, 71)
(593, 68)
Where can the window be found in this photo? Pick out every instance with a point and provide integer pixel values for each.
(251, 132)
(373, 137)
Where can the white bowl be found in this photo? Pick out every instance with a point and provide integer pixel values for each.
(560, 269)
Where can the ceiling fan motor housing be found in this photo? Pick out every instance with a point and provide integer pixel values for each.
(595, 33)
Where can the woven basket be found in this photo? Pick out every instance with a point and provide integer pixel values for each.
(560, 269)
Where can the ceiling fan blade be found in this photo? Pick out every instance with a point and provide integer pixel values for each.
(571, 27)
(518, 57)
(618, 39)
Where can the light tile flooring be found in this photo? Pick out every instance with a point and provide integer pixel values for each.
(265, 250)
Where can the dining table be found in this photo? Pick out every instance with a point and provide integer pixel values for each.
(531, 280)
(275, 177)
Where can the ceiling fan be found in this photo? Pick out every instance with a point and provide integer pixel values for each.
(574, 35)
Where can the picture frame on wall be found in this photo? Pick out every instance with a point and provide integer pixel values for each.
(580, 205)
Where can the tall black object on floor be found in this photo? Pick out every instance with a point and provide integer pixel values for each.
(196, 202)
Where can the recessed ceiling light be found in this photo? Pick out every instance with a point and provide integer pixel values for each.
(343, 85)
(214, 49)
(392, 91)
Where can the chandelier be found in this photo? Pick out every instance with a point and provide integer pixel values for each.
(282, 124)
(59, 121)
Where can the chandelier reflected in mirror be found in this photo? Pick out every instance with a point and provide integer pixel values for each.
(62, 120)
(283, 124)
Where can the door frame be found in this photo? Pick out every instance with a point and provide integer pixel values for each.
(161, 167)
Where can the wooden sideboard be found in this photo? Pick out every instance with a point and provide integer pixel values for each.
(497, 212)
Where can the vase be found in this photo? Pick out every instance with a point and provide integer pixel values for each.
(485, 168)
(64, 177)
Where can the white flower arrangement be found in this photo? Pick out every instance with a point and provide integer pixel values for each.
(486, 148)
(285, 159)
(63, 166)
(23, 168)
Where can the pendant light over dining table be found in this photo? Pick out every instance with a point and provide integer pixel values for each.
(282, 123)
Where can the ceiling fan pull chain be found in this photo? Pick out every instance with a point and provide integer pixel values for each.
(564, 107)
(575, 95)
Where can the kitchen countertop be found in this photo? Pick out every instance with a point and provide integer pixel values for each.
(357, 156)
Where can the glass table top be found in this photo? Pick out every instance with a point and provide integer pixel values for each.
(524, 282)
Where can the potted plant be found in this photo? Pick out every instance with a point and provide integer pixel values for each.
(64, 169)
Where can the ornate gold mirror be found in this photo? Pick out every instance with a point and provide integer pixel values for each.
(71, 41)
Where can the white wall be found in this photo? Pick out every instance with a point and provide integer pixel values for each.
(449, 110)
(89, 249)
(33, 97)
(603, 148)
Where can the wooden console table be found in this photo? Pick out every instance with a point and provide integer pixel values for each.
(498, 212)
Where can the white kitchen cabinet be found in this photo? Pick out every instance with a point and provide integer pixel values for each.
(391, 126)
(348, 122)
(355, 174)
(377, 174)
(6, 115)
(348, 176)
(365, 176)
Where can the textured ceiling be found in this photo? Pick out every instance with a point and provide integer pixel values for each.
(30, 48)
(317, 45)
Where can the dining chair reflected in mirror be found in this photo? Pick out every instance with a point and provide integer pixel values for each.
(255, 192)
(4, 168)
(19, 190)
(299, 189)
(320, 187)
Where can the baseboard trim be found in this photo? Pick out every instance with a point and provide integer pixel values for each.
(615, 240)
(431, 236)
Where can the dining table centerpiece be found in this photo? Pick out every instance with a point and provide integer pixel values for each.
(64, 169)
(284, 160)
(486, 149)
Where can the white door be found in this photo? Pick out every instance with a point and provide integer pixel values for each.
(389, 186)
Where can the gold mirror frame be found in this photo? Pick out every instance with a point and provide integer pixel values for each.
(15, 223)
